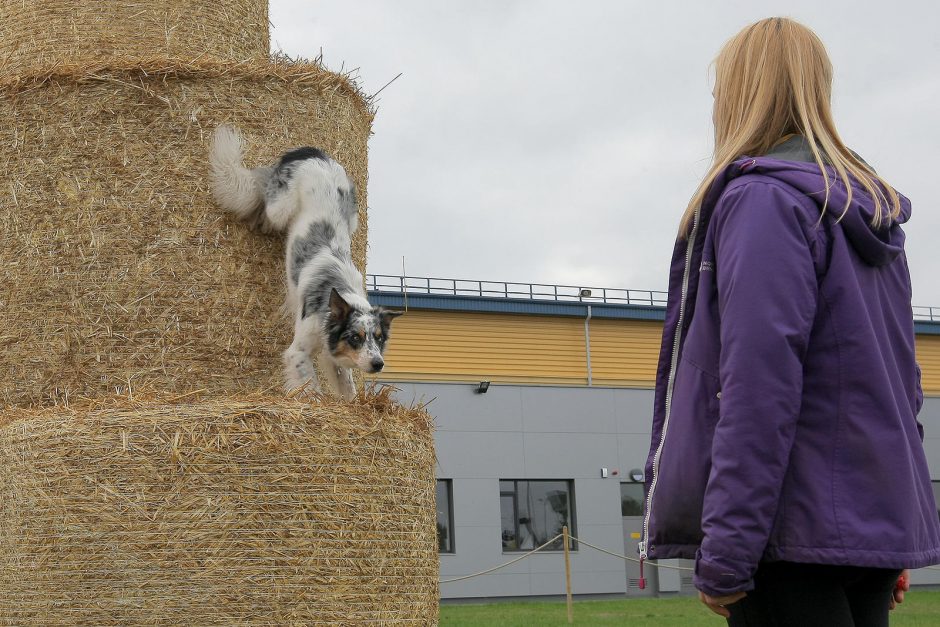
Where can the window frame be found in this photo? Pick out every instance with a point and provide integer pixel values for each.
(449, 491)
(641, 501)
(572, 513)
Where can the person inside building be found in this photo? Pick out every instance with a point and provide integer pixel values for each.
(786, 456)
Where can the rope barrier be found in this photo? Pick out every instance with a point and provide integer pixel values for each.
(596, 548)
(518, 559)
(539, 548)
(633, 559)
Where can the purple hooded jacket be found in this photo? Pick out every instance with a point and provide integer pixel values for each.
(785, 418)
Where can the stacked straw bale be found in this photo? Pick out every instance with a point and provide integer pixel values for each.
(119, 271)
(37, 33)
(147, 473)
(258, 511)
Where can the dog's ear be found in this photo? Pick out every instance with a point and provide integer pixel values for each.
(339, 308)
(386, 316)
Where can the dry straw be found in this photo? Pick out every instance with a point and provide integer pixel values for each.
(218, 512)
(119, 273)
(34, 33)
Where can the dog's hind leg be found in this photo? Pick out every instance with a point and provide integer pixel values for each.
(340, 379)
(280, 209)
(299, 371)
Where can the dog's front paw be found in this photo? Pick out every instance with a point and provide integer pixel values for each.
(301, 382)
(345, 385)
(305, 390)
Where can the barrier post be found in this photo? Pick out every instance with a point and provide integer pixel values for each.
(564, 533)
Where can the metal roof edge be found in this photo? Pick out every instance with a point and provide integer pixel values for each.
(449, 302)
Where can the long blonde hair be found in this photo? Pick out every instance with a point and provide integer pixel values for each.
(773, 79)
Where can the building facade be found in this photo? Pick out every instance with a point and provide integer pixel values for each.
(543, 399)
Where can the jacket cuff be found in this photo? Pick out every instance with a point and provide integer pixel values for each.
(718, 576)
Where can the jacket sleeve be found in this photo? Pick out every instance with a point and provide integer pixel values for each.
(767, 302)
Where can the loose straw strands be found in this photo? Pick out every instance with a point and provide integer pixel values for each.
(252, 510)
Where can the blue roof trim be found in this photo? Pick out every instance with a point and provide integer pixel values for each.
(449, 302)
(924, 327)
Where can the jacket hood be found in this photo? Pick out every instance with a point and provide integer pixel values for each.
(792, 163)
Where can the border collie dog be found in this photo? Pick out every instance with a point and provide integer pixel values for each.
(310, 196)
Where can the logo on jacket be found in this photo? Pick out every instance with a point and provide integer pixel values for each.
(707, 266)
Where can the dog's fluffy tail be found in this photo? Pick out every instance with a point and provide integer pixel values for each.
(235, 187)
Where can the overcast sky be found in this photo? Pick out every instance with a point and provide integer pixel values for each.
(559, 142)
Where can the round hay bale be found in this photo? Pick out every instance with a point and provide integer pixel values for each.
(119, 272)
(220, 512)
(34, 34)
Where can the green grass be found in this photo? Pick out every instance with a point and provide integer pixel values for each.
(921, 609)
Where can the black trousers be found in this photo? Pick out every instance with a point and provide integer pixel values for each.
(787, 594)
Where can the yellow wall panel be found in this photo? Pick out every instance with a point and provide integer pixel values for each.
(516, 348)
(624, 351)
(467, 346)
(928, 356)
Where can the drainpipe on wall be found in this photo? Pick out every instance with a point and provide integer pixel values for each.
(587, 343)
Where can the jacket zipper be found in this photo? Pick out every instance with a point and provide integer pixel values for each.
(669, 385)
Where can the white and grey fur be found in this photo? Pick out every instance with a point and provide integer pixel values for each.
(309, 195)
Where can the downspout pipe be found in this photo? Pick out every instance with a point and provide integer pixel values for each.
(587, 344)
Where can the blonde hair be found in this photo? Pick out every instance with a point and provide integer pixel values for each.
(774, 79)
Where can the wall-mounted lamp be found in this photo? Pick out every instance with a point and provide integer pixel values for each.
(636, 475)
(585, 293)
(483, 387)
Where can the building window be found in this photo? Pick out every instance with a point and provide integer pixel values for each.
(631, 499)
(445, 516)
(533, 512)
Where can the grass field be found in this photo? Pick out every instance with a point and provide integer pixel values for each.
(921, 609)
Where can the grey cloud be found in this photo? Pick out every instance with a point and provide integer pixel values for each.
(555, 141)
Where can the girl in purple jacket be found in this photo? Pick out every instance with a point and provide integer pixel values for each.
(786, 456)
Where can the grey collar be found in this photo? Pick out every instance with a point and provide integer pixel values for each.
(794, 149)
(797, 149)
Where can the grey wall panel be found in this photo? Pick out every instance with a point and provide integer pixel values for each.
(595, 582)
(598, 503)
(568, 455)
(478, 548)
(568, 410)
(476, 501)
(632, 451)
(633, 411)
(498, 584)
(456, 407)
(469, 454)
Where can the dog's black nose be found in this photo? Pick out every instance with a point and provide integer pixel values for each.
(377, 365)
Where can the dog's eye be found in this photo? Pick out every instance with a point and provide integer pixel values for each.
(354, 340)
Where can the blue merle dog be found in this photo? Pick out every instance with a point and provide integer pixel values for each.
(310, 196)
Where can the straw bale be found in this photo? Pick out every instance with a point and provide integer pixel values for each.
(119, 273)
(34, 33)
(218, 512)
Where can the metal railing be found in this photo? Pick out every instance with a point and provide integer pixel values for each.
(542, 291)
(927, 314)
(505, 289)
